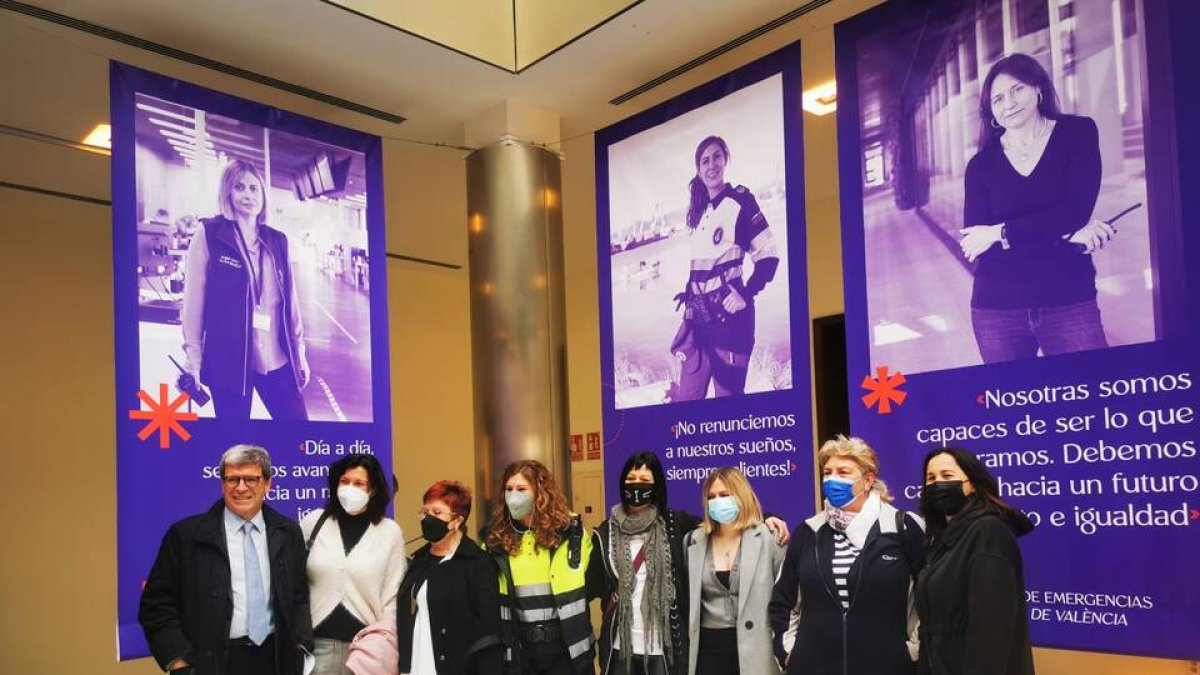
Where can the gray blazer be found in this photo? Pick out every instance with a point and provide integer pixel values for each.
(760, 560)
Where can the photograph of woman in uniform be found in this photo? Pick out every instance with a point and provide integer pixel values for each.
(242, 331)
(1030, 193)
(725, 224)
(698, 233)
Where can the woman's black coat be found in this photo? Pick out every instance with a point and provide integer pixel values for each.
(463, 601)
(971, 597)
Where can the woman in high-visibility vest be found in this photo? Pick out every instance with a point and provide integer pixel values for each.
(542, 552)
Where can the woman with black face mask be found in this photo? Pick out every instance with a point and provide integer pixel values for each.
(638, 568)
(971, 594)
(448, 609)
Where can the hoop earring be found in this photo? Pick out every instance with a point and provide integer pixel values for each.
(1039, 98)
(995, 124)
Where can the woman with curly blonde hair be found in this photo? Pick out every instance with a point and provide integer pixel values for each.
(542, 552)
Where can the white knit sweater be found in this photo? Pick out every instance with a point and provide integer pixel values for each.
(365, 581)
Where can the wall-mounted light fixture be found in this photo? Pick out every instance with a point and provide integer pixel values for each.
(821, 99)
(100, 137)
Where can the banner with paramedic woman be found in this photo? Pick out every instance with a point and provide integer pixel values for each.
(703, 298)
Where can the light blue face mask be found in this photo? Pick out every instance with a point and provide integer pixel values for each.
(839, 491)
(520, 504)
(724, 510)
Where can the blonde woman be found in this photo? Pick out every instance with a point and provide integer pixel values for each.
(844, 600)
(732, 561)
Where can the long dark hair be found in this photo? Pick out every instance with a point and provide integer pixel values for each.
(1026, 69)
(697, 193)
(650, 461)
(381, 493)
(986, 494)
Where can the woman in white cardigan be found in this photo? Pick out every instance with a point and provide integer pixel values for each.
(355, 560)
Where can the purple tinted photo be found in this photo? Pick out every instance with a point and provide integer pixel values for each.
(253, 267)
(698, 249)
(994, 151)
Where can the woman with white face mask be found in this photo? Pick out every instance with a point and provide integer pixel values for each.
(732, 562)
(542, 552)
(356, 560)
(844, 601)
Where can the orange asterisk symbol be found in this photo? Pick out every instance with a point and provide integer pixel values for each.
(163, 416)
(884, 390)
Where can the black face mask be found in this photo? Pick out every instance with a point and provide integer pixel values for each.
(637, 494)
(434, 529)
(945, 497)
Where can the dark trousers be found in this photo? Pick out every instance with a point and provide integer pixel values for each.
(546, 658)
(704, 364)
(278, 392)
(1011, 334)
(248, 659)
(654, 664)
(717, 652)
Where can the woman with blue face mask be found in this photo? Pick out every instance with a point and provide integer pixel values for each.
(542, 553)
(844, 601)
(732, 561)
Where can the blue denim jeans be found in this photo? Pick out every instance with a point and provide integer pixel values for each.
(1011, 334)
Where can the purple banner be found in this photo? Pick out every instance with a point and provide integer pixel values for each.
(1015, 259)
(703, 299)
(248, 249)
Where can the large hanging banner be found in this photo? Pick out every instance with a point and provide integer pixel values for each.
(703, 300)
(1019, 201)
(248, 249)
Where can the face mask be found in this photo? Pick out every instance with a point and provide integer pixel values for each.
(945, 497)
(839, 491)
(637, 494)
(520, 504)
(724, 510)
(353, 499)
(433, 528)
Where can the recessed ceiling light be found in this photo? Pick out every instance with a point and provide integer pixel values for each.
(821, 99)
(100, 137)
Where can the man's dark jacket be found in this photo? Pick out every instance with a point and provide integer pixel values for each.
(187, 603)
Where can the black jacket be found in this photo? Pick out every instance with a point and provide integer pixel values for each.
(602, 583)
(463, 601)
(870, 638)
(971, 598)
(187, 603)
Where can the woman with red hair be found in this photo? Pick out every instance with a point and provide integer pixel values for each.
(448, 616)
(542, 552)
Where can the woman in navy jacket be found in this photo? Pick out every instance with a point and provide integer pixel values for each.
(843, 603)
(240, 317)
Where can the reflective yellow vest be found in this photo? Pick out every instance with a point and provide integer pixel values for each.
(550, 583)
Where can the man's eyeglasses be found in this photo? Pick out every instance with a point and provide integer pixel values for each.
(251, 481)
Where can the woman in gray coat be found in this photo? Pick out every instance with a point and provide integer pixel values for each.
(732, 560)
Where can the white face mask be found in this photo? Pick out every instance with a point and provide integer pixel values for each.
(353, 499)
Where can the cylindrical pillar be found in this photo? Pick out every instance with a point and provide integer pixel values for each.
(517, 312)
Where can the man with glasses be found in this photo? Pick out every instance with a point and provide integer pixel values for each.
(228, 593)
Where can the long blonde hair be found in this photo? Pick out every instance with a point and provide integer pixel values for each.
(857, 451)
(749, 509)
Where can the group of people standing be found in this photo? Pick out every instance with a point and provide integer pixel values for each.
(860, 588)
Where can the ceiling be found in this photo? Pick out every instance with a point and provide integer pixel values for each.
(323, 46)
